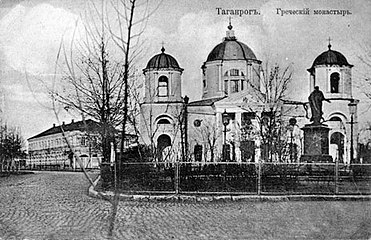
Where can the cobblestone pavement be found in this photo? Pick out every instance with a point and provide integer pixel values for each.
(55, 205)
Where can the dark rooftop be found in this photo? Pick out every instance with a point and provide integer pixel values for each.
(330, 58)
(73, 126)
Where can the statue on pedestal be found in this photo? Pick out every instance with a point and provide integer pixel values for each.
(315, 101)
(316, 141)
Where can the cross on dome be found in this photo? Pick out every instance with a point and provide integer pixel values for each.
(329, 43)
(230, 32)
(162, 48)
(230, 24)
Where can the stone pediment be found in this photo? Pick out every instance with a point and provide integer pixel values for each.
(249, 98)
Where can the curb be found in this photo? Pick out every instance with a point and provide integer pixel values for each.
(223, 198)
(91, 191)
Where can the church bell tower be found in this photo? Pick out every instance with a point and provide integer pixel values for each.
(332, 73)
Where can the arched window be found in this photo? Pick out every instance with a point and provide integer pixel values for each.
(163, 121)
(335, 119)
(334, 82)
(163, 86)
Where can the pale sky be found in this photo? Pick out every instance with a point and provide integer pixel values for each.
(31, 33)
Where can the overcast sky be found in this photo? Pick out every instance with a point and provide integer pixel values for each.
(31, 33)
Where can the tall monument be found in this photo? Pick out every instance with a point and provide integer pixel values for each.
(316, 134)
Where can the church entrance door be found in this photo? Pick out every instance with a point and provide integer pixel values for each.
(338, 139)
(163, 142)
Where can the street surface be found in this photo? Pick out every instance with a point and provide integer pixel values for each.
(55, 205)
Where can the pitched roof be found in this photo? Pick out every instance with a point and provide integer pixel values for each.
(73, 126)
(205, 102)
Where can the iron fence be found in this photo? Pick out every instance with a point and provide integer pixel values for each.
(244, 178)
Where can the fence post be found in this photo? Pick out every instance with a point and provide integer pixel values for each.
(336, 176)
(259, 177)
(176, 182)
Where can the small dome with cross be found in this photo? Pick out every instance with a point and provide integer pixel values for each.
(330, 58)
(163, 61)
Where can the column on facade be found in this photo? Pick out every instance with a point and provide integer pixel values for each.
(342, 82)
(219, 126)
(170, 84)
(249, 73)
(328, 77)
(220, 78)
(238, 136)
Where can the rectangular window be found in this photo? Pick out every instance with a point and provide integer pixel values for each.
(234, 72)
(83, 141)
(234, 86)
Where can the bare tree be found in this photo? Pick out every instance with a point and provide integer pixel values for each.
(274, 84)
(363, 71)
(97, 84)
(363, 83)
(209, 133)
(96, 66)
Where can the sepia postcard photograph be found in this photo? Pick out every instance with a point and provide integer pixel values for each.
(185, 119)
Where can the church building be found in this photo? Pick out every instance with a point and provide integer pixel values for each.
(228, 123)
(332, 73)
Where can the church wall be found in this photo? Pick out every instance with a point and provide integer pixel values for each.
(151, 86)
(323, 76)
(202, 134)
(148, 127)
(321, 79)
(256, 75)
(347, 79)
(213, 83)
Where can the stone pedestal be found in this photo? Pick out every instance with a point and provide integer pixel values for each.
(316, 143)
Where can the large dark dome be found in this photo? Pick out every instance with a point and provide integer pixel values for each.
(231, 49)
(330, 58)
(163, 60)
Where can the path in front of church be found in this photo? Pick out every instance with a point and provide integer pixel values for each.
(55, 205)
